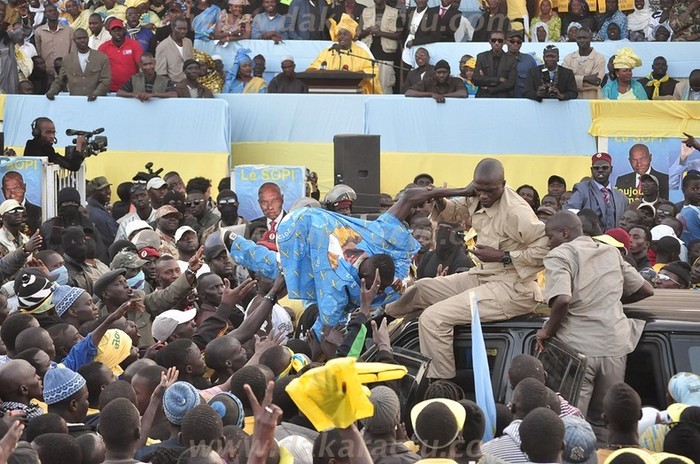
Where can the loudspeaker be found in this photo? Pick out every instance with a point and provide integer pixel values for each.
(356, 164)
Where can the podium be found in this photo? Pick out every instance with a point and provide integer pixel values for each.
(333, 82)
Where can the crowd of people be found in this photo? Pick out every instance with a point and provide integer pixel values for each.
(145, 49)
(164, 327)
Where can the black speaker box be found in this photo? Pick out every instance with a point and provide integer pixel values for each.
(356, 164)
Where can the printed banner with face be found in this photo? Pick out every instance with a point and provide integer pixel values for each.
(23, 180)
(247, 179)
(666, 159)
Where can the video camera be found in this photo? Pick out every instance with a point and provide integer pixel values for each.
(548, 82)
(92, 147)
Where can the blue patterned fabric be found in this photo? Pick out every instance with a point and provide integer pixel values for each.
(318, 250)
(60, 383)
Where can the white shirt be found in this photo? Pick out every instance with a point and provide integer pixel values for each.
(83, 60)
(277, 220)
(408, 55)
(96, 40)
(179, 49)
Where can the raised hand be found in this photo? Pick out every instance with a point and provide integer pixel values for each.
(196, 261)
(233, 296)
(367, 295)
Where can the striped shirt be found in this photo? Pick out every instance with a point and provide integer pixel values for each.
(507, 447)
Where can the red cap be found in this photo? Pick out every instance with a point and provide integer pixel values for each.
(618, 234)
(272, 246)
(115, 23)
(148, 252)
(602, 156)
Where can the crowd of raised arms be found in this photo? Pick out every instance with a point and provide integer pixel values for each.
(148, 49)
(164, 327)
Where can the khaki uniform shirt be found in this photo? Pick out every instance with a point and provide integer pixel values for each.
(508, 225)
(593, 64)
(596, 277)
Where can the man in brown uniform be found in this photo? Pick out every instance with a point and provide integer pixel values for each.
(511, 247)
(586, 284)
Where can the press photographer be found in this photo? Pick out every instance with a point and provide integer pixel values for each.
(551, 80)
(44, 137)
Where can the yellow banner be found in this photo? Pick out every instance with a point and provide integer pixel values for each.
(644, 119)
(398, 169)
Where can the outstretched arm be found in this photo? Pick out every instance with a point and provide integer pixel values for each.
(417, 196)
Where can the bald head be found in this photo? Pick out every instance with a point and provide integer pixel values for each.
(563, 227)
(19, 382)
(489, 182)
(489, 168)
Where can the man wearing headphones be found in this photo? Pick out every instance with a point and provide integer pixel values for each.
(44, 133)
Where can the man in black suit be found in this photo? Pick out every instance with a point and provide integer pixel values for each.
(271, 200)
(14, 188)
(551, 80)
(450, 17)
(640, 161)
(495, 72)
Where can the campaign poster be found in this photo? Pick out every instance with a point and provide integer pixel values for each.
(665, 158)
(21, 179)
(246, 179)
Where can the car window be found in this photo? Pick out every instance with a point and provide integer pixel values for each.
(496, 349)
(647, 370)
(686, 352)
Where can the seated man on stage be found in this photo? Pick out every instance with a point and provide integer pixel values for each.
(346, 55)
(325, 255)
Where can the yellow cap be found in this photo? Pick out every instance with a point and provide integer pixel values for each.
(114, 347)
(659, 458)
(675, 410)
(645, 456)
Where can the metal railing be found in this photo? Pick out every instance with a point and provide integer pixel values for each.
(57, 178)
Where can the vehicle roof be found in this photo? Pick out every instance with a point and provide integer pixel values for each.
(667, 310)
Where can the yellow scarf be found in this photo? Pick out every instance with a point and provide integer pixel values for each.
(657, 84)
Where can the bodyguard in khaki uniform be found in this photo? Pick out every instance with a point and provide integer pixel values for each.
(511, 246)
(586, 284)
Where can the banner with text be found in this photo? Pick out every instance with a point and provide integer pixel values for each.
(247, 179)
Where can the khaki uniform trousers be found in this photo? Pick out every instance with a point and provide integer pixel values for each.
(445, 301)
(601, 374)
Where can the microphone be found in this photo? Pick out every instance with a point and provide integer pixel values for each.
(335, 47)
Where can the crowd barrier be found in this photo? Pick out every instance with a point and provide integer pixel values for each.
(417, 135)
(682, 57)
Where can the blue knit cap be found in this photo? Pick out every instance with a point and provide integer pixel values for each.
(64, 297)
(222, 408)
(178, 399)
(61, 383)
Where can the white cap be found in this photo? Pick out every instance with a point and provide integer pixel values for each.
(155, 183)
(660, 231)
(181, 231)
(134, 226)
(9, 205)
(166, 322)
(216, 57)
(287, 58)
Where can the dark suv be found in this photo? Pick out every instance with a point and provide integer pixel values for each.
(670, 343)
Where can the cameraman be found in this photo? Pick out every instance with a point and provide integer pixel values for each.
(44, 133)
(551, 80)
